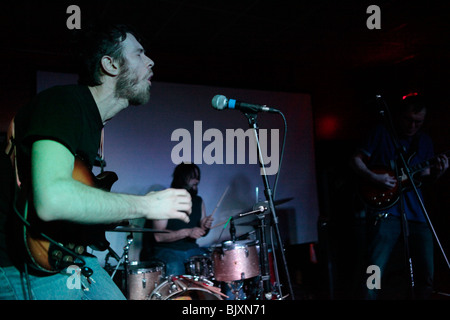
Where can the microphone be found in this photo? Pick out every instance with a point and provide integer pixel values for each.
(221, 102)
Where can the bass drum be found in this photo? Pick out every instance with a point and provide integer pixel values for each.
(143, 277)
(185, 287)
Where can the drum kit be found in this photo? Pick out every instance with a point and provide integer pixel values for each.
(230, 270)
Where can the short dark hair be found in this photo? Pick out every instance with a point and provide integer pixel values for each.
(98, 41)
(182, 173)
(412, 102)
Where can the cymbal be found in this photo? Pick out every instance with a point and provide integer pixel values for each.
(250, 223)
(134, 228)
(254, 222)
(276, 202)
(281, 201)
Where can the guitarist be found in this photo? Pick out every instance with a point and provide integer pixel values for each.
(65, 123)
(385, 228)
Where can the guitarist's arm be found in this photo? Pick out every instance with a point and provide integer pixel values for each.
(57, 196)
(358, 163)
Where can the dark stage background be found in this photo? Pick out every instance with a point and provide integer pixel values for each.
(320, 49)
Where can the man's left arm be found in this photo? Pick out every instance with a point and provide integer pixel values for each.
(433, 173)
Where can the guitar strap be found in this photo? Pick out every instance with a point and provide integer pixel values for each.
(410, 152)
(101, 149)
(414, 146)
(100, 159)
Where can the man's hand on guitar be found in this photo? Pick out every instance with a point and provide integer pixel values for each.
(385, 180)
(441, 164)
(169, 204)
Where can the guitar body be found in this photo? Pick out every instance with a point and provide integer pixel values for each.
(376, 196)
(71, 238)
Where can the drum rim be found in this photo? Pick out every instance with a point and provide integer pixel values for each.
(166, 281)
(237, 244)
(145, 270)
(137, 267)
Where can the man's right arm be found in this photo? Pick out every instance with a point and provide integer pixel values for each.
(359, 166)
(57, 196)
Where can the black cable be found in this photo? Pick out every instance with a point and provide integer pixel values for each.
(28, 225)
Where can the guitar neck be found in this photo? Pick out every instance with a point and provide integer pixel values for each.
(426, 164)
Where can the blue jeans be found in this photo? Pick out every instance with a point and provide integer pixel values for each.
(384, 239)
(66, 285)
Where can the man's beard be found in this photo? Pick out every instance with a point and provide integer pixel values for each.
(193, 192)
(127, 87)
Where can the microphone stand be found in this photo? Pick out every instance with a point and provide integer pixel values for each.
(268, 193)
(401, 155)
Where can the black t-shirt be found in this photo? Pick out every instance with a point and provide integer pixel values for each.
(66, 114)
(176, 224)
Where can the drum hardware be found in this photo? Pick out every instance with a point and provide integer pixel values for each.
(269, 194)
(227, 271)
(200, 266)
(214, 289)
(186, 287)
(124, 259)
(236, 289)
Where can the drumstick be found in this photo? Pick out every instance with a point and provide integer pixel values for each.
(220, 201)
(220, 224)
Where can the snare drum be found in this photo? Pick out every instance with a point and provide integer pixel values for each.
(143, 277)
(236, 260)
(186, 287)
(200, 266)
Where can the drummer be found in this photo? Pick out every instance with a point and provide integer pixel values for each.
(180, 243)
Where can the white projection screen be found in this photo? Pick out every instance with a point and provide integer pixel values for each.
(139, 147)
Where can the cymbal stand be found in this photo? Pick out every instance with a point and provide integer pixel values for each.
(124, 259)
(111, 253)
(269, 196)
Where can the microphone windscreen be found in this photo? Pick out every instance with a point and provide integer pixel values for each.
(219, 102)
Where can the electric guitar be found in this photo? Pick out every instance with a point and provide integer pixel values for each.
(379, 197)
(53, 246)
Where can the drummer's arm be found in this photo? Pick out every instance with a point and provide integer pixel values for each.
(206, 221)
(171, 235)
